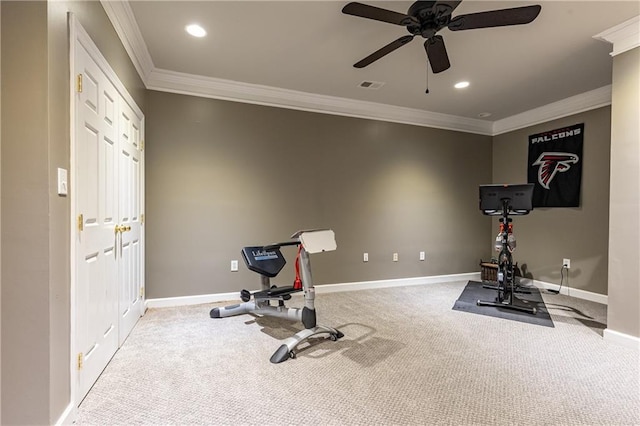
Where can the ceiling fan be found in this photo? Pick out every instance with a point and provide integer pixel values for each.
(426, 18)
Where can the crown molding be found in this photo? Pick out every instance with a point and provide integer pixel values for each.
(125, 25)
(624, 37)
(124, 22)
(593, 99)
(189, 84)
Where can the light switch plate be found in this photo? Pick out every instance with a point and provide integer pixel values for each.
(62, 181)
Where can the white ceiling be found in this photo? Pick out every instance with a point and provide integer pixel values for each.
(308, 48)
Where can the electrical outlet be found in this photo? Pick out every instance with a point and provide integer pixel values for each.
(566, 263)
(395, 257)
(365, 257)
(421, 255)
(234, 266)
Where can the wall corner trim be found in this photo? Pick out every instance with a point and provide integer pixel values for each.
(68, 416)
(124, 22)
(587, 101)
(621, 339)
(573, 292)
(624, 37)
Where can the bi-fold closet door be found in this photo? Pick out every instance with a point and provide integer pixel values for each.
(108, 196)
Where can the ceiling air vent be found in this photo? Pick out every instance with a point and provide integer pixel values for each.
(374, 85)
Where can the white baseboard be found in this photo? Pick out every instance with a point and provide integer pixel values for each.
(68, 416)
(573, 292)
(399, 282)
(168, 302)
(621, 339)
(608, 334)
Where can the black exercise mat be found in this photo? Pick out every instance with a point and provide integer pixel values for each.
(474, 291)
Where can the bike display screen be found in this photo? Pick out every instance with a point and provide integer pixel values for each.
(519, 196)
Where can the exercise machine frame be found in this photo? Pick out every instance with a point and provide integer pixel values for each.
(260, 302)
(505, 200)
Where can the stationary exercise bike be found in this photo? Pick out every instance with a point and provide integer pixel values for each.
(268, 261)
(504, 200)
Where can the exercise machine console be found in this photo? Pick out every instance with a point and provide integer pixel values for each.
(268, 261)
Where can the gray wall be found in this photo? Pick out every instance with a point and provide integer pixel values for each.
(25, 220)
(623, 315)
(35, 221)
(222, 175)
(547, 235)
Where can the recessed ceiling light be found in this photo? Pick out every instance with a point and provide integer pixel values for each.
(196, 30)
(484, 115)
(461, 85)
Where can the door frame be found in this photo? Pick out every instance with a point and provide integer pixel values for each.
(78, 34)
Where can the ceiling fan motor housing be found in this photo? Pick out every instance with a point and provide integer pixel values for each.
(430, 19)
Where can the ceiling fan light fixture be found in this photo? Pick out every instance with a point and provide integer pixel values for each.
(196, 30)
(461, 85)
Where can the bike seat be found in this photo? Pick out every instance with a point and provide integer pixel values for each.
(276, 293)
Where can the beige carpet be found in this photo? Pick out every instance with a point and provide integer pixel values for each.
(407, 358)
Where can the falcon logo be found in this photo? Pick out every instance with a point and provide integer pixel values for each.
(551, 163)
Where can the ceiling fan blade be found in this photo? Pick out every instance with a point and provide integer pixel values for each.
(384, 15)
(384, 51)
(495, 18)
(437, 54)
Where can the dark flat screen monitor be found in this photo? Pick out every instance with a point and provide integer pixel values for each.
(519, 196)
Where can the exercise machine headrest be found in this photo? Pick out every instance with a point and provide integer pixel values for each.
(317, 240)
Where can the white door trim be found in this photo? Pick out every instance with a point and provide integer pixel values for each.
(74, 28)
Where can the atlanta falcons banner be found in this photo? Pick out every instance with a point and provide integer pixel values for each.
(555, 166)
